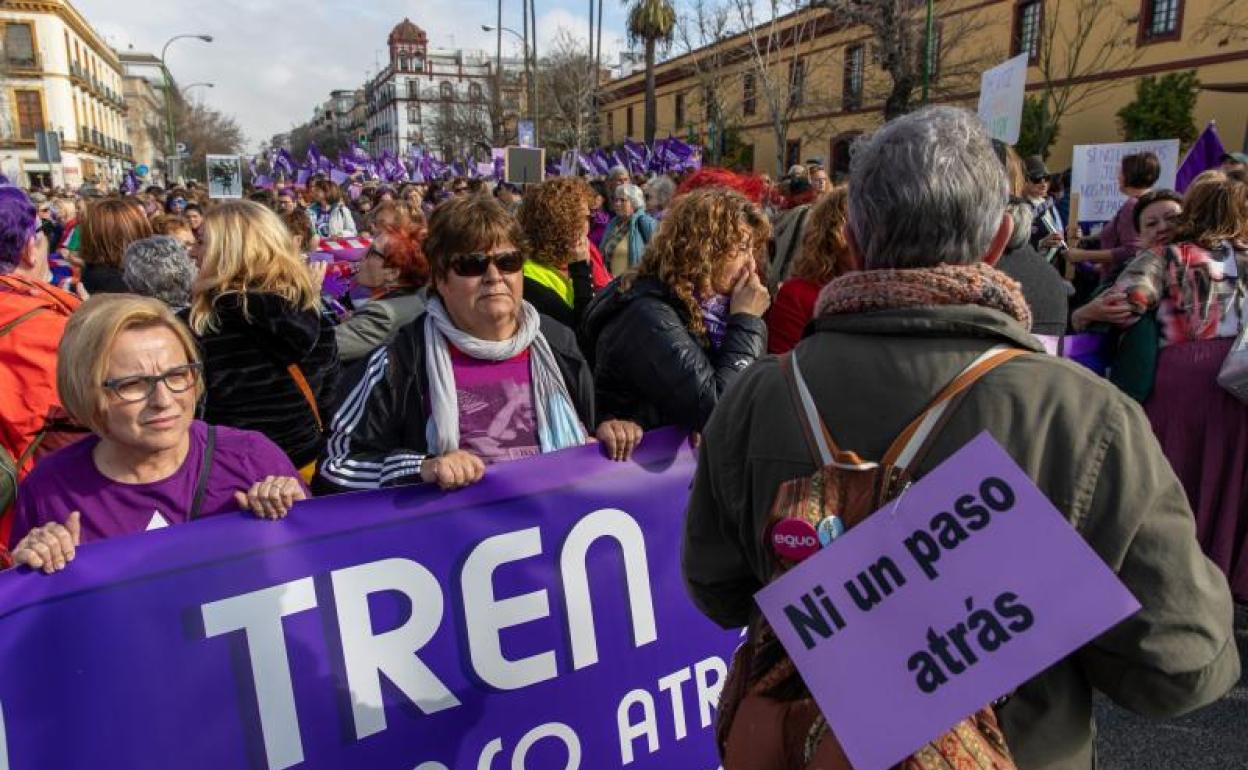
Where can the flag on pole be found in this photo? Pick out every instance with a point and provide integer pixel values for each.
(1205, 153)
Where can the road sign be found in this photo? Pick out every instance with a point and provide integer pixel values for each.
(180, 147)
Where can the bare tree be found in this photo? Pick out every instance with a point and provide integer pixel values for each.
(567, 94)
(1073, 48)
(1227, 22)
(460, 124)
(205, 131)
(900, 31)
(700, 34)
(776, 31)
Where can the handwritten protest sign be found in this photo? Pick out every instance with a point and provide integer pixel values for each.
(954, 594)
(1094, 174)
(535, 621)
(1001, 92)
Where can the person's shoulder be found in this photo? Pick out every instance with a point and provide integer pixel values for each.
(240, 448)
(67, 462)
(561, 338)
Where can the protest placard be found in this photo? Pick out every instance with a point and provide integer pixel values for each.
(1001, 91)
(1094, 174)
(225, 176)
(950, 596)
(534, 621)
(525, 165)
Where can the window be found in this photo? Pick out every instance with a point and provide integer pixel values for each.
(1160, 20)
(474, 92)
(851, 85)
(628, 123)
(413, 89)
(797, 83)
(403, 62)
(749, 99)
(19, 46)
(29, 113)
(413, 113)
(792, 152)
(610, 126)
(679, 108)
(446, 90)
(1028, 16)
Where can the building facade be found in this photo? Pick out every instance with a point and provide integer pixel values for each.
(439, 99)
(839, 86)
(144, 91)
(60, 76)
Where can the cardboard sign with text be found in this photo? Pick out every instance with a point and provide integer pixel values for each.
(1001, 96)
(966, 586)
(1094, 174)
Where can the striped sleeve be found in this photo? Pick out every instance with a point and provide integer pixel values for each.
(364, 450)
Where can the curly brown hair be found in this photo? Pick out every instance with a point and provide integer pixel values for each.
(825, 249)
(554, 219)
(699, 229)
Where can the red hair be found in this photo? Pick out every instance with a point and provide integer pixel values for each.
(402, 248)
(751, 186)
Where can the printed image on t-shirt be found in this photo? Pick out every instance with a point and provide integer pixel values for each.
(496, 417)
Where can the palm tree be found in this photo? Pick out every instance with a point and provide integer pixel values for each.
(652, 21)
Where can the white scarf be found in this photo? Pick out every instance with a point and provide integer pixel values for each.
(558, 425)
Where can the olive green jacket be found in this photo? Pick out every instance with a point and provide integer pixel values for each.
(1085, 444)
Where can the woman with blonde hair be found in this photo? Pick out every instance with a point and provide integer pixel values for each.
(128, 369)
(825, 255)
(669, 338)
(270, 358)
(108, 227)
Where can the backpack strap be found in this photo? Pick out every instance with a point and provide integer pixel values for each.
(301, 382)
(823, 449)
(205, 470)
(915, 440)
(921, 432)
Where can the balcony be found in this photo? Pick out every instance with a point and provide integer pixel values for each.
(26, 63)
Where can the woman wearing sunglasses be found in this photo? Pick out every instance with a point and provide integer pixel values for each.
(480, 378)
(394, 269)
(128, 370)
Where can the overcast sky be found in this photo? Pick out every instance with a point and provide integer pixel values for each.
(272, 61)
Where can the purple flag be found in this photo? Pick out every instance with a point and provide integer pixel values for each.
(539, 615)
(1205, 153)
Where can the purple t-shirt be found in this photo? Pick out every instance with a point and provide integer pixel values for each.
(67, 481)
(496, 418)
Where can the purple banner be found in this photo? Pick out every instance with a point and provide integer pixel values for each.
(535, 620)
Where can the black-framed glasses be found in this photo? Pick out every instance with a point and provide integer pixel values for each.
(476, 265)
(140, 387)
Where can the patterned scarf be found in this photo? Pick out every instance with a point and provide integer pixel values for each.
(715, 312)
(977, 284)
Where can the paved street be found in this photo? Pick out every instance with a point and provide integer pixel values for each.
(1215, 738)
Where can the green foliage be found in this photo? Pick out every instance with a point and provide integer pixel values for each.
(1038, 130)
(651, 20)
(1162, 109)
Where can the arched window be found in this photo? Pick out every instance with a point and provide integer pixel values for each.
(403, 61)
(474, 92)
(447, 90)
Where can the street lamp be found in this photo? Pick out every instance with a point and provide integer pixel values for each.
(197, 85)
(164, 68)
(533, 111)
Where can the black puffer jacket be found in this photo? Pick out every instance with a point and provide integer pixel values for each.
(378, 435)
(245, 370)
(649, 368)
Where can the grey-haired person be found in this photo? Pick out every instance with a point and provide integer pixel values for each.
(160, 267)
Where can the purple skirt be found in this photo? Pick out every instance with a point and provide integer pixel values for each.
(1204, 432)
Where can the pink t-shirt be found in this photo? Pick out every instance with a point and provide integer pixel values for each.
(67, 481)
(496, 418)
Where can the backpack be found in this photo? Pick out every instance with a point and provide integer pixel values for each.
(28, 400)
(767, 719)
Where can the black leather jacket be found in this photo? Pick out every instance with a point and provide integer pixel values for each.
(649, 368)
(378, 435)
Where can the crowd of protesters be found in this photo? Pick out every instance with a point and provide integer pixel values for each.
(179, 357)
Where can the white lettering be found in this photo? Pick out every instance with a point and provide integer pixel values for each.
(486, 615)
(708, 692)
(259, 616)
(629, 731)
(366, 656)
(618, 525)
(672, 685)
(557, 730)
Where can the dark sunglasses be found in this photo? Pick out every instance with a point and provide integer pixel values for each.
(476, 265)
(1037, 179)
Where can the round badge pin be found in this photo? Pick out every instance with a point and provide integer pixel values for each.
(830, 529)
(794, 539)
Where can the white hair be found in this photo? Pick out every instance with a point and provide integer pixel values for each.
(926, 189)
(634, 194)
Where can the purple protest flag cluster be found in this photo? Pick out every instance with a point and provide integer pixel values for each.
(357, 165)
